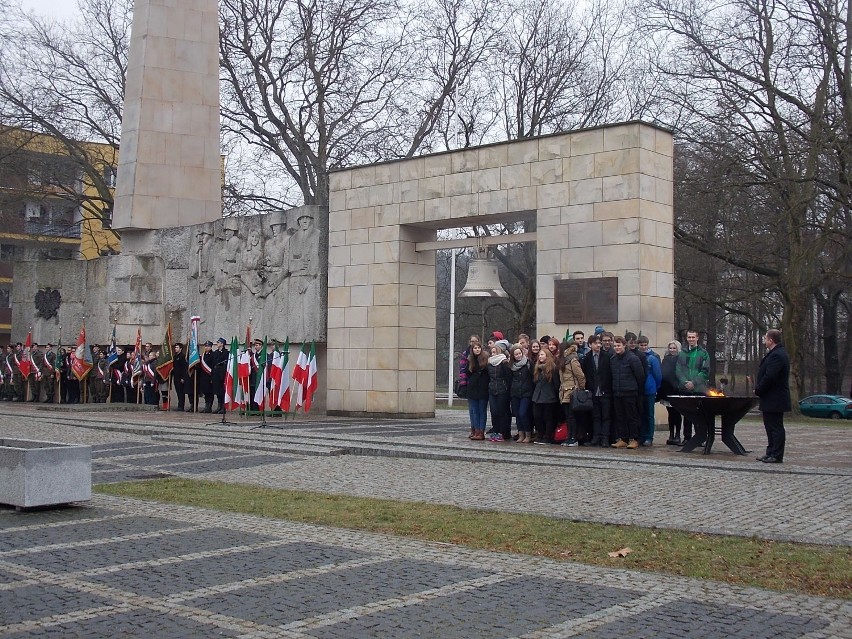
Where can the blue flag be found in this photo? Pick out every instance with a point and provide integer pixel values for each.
(112, 354)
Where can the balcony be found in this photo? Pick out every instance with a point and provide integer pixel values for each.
(52, 229)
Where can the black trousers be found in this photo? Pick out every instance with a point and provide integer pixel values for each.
(775, 434)
(626, 411)
(601, 409)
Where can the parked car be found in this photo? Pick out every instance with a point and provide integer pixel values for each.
(832, 406)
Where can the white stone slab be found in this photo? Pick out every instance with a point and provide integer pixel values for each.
(36, 473)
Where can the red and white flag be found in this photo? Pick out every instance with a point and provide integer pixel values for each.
(283, 393)
(305, 376)
(25, 363)
(311, 384)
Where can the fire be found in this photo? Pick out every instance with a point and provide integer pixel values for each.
(715, 393)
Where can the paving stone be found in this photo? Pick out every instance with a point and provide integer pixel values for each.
(118, 567)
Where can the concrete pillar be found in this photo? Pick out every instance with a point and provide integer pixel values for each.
(169, 170)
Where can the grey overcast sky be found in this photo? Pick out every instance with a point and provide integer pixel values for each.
(60, 9)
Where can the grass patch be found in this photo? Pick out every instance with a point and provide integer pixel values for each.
(816, 570)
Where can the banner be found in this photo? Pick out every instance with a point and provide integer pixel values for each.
(192, 355)
(81, 357)
(25, 363)
(166, 360)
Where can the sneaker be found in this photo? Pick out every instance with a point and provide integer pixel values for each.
(570, 443)
(648, 442)
(497, 437)
(676, 442)
(632, 444)
(621, 443)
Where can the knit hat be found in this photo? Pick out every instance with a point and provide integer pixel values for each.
(504, 344)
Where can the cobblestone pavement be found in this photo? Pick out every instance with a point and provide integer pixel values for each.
(120, 567)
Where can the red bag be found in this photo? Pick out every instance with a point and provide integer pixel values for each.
(561, 433)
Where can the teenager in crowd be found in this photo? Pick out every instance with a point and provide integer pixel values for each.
(545, 396)
(477, 390)
(571, 377)
(499, 385)
(521, 392)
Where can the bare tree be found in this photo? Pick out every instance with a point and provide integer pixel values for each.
(761, 73)
(66, 81)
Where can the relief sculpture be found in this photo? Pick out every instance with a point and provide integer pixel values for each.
(268, 267)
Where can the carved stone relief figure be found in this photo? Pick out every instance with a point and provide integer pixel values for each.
(227, 276)
(200, 266)
(276, 257)
(303, 270)
(252, 271)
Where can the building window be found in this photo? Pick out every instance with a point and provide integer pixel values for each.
(7, 252)
(110, 176)
(106, 218)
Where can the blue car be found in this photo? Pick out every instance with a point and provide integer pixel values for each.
(831, 406)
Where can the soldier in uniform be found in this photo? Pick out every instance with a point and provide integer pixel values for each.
(149, 374)
(100, 379)
(219, 364)
(203, 372)
(48, 375)
(36, 372)
(18, 380)
(8, 363)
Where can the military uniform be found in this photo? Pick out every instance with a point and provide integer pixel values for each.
(18, 381)
(48, 375)
(8, 363)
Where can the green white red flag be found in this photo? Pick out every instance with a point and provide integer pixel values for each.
(261, 392)
(231, 386)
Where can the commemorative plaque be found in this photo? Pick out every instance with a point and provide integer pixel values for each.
(586, 301)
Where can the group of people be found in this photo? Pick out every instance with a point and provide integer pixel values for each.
(536, 382)
(115, 376)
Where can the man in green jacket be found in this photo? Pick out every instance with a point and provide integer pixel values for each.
(693, 373)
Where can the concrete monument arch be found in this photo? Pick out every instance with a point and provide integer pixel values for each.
(602, 201)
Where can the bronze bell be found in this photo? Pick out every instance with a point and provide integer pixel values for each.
(482, 277)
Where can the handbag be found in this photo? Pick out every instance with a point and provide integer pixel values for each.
(581, 401)
(561, 433)
(460, 389)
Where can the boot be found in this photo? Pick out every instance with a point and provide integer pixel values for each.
(620, 444)
(472, 433)
(632, 444)
(479, 436)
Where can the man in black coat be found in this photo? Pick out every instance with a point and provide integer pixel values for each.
(596, 365)
(773, 388)
(628, 380)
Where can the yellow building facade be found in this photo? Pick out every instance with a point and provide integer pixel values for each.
(55, 203)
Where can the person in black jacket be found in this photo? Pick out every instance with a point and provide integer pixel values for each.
(545, 396)
(179, 376)
(477, 390)
(596, 367)
(499, 385)
(521, 392)
(669, 386)
(628, 380)
(773, 388)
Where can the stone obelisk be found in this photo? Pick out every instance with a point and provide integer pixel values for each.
(169, 170)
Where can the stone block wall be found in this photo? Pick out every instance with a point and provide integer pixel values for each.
(602, 199)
